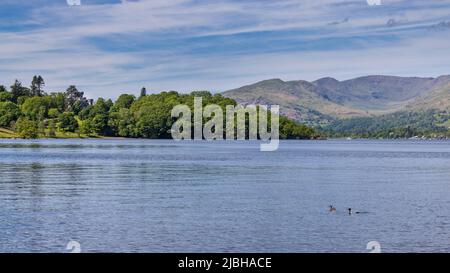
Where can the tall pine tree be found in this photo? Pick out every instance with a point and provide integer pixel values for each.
(36, 86)
(143, 92)
(17, 91)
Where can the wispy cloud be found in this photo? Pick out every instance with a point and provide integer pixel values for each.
(108, 47)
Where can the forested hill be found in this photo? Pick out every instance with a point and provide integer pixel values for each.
(34, 113)
(371, 106)
(323, 100)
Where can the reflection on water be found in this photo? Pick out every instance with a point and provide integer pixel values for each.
(165, 196)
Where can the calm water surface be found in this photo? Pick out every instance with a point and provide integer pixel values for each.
(165, 196)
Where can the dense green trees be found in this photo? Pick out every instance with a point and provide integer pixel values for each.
(5, 96)
(67, 122)
(121, 120)
(430, 123)
(152, 115)
(289, 129)
(124, 101)
(26, 128)
(9, 112)
(33, 113)
(36, 108)
(122, 123)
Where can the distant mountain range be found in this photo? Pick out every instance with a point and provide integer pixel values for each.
(327, 100)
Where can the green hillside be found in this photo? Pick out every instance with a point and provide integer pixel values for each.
(372, 106)
(430, 124)
(5, 133)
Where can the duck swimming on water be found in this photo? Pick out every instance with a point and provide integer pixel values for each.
(332, 209)
(350, 211)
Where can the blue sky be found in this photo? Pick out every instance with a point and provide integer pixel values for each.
(108, 47)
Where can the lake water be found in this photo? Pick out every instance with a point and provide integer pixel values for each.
(166, 196)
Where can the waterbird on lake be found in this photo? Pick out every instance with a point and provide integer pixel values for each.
(350, 211)
(332, 209)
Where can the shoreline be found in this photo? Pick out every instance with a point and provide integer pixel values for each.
(9, 134)
(321, 139)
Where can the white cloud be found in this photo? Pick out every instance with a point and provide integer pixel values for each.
(59, 45)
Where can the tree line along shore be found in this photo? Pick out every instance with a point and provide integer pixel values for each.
(31, 112)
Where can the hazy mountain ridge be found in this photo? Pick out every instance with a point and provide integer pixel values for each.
(326, 100)
(299, 100)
